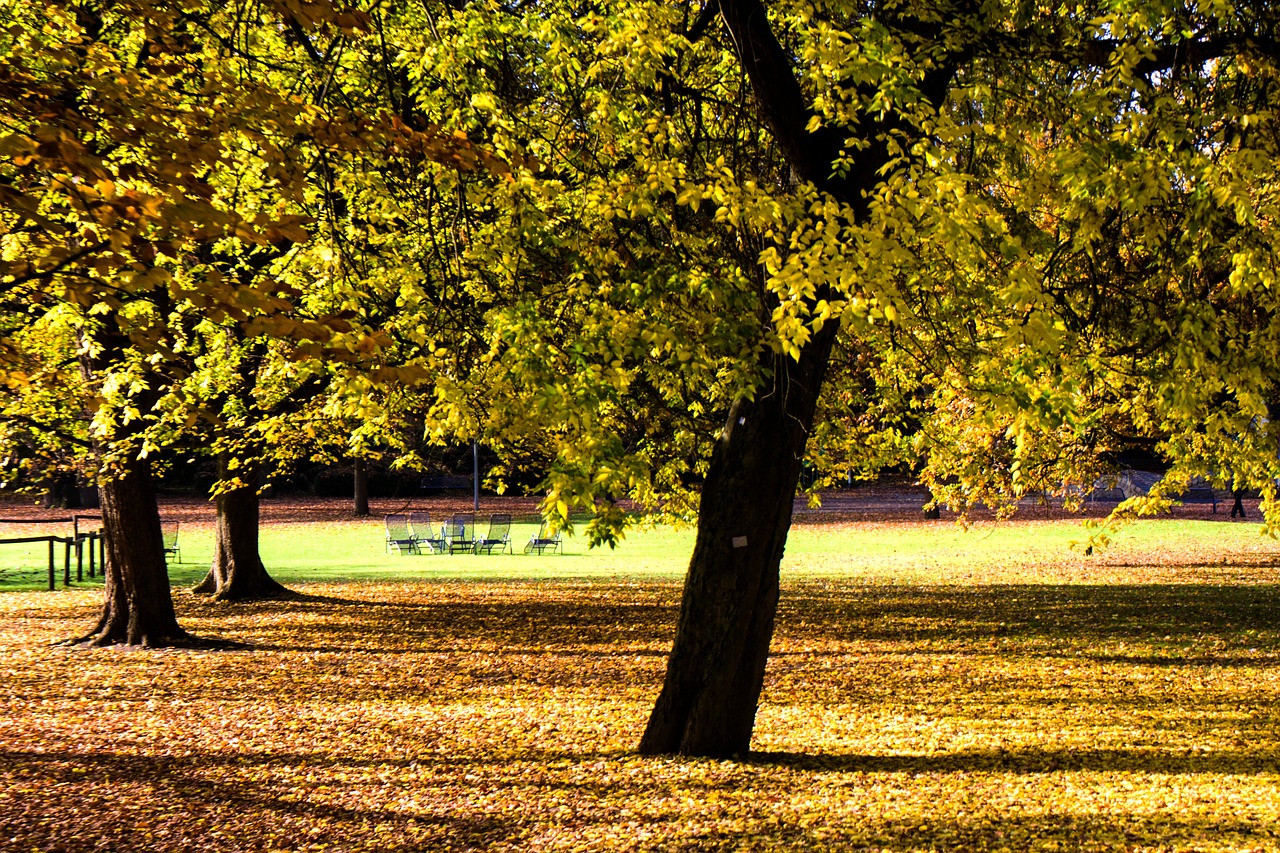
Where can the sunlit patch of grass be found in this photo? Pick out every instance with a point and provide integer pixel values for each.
(1128, 705)
(872, 552)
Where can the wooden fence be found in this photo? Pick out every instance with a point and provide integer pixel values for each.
(77, 542)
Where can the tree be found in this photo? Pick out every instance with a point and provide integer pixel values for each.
(127, 133)
(949, 58)
(43, 429)
(719, 199)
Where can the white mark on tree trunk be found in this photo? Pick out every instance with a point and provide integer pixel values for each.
(739, 541)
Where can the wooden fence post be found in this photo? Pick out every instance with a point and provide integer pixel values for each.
(52, 584)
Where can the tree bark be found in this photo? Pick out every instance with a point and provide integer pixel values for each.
(138, 604)
(715, 673)
(237, 572)
(361, 487)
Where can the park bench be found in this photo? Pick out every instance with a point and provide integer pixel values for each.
(444, 483)
(1199, 491)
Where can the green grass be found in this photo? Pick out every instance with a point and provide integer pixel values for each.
(874, 552)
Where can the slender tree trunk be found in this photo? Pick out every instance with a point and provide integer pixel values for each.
(138, 605)
(361, 487)
(932, 513)
(63, 492)
(716, 670)
(237, 572)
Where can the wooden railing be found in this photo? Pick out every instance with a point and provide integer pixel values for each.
(96, 550)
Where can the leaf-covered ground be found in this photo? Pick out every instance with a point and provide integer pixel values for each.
(988, 708)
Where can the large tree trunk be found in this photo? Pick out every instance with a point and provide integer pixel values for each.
(138, 606)
(716, 670)
(237, 572)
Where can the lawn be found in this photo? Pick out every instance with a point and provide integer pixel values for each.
(930, 689)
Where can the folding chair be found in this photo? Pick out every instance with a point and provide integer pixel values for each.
(420, 526)
(460, 533)
(544, 541)
(169, 533)
(400, 535)
(499, 535)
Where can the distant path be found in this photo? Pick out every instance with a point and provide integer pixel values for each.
(898, 502)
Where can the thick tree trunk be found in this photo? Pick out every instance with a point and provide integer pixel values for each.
(361, 488)
(716, 670)
(237, 572)
(138, 605)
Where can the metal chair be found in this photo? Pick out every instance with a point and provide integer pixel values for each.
(400, 535)
(499, 535)
(420, 526)
(544, 541)
(460, 533)
(169, 534)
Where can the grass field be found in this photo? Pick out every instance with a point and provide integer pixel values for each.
(896, 551)
(930, 689)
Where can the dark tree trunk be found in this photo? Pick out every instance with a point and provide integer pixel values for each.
(237, 572)
(932, 512)
(716, 670)
(361, 488)
(138, 606)
(63, 492)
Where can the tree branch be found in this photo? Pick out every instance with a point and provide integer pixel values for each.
(46, 428)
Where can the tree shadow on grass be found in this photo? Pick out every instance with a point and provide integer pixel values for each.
(734, 810)
(380, 627)
(1082, 616)
(999, 832)
(71, 766)
(1079, 613)
(288, 599)
(255, 807)
(1091, 622)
